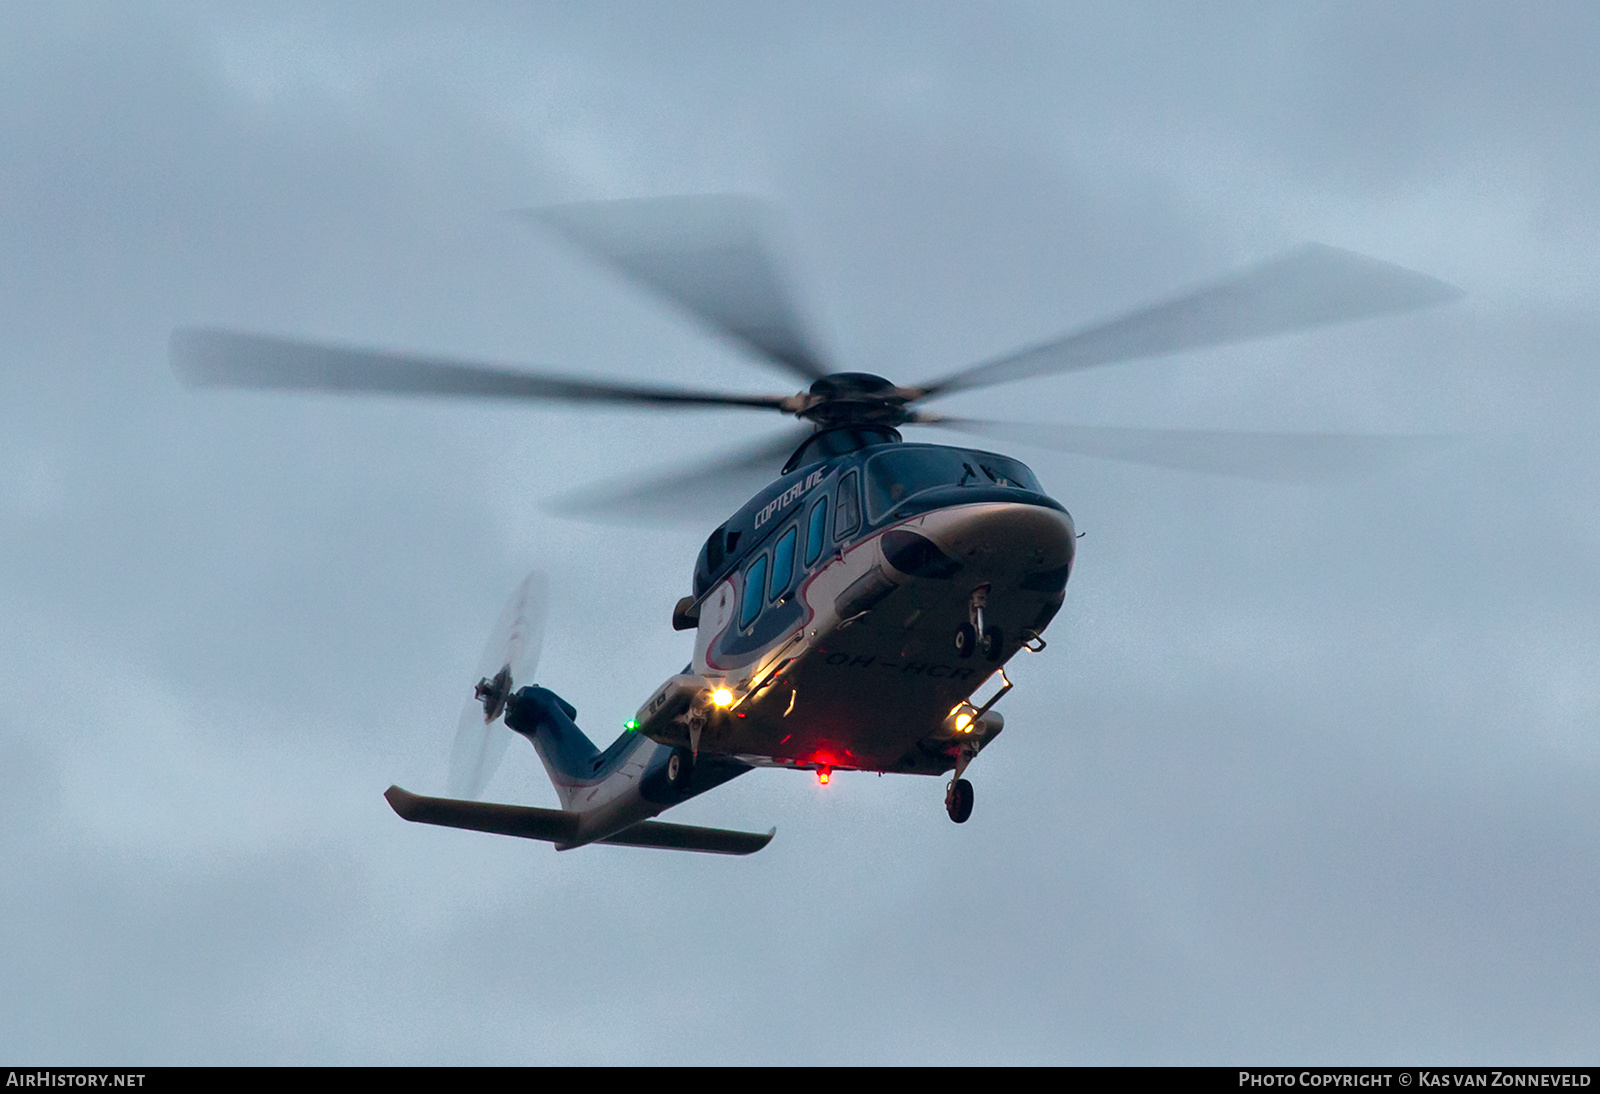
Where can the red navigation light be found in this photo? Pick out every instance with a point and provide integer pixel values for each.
(823, 775)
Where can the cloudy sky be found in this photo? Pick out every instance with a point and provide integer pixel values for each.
(1307, 774)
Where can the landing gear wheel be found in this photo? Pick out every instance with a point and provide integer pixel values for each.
(958, 800)
(680, 769)
(966, 640)
(992, 644)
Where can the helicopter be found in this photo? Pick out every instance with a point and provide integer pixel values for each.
(851, 613)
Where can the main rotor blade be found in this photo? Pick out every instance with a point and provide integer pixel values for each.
(207, 357)
(705, 254)
(706, 490)
(1269, 457)
(1309, 287)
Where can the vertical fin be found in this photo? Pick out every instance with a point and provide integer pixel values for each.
(547, 720)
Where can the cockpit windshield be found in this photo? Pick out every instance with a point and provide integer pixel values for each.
(905, 472)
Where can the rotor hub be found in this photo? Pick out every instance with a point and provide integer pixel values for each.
(856, 398)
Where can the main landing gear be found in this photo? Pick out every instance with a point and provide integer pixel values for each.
(974, 635)
(958, 794)
(958, 800)
(680, 769)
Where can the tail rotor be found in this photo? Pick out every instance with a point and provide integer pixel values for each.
(509, 662)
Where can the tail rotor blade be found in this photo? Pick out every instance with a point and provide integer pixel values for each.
(476, 753)
(513, 650)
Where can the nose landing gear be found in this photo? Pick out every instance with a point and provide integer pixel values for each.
(992, 643)
(974, 634)
(966, 640)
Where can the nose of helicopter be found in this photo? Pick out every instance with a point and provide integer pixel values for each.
(1001, 540)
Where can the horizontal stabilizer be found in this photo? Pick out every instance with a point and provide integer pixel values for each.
(555, 825)
(686, 837)
(560, 826)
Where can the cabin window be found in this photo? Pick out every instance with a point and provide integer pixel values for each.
(783, 561)
(815, 530)
(755, 583)
(847, 507)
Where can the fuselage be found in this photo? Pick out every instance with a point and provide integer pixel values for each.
(833, 618)
(827, 611)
